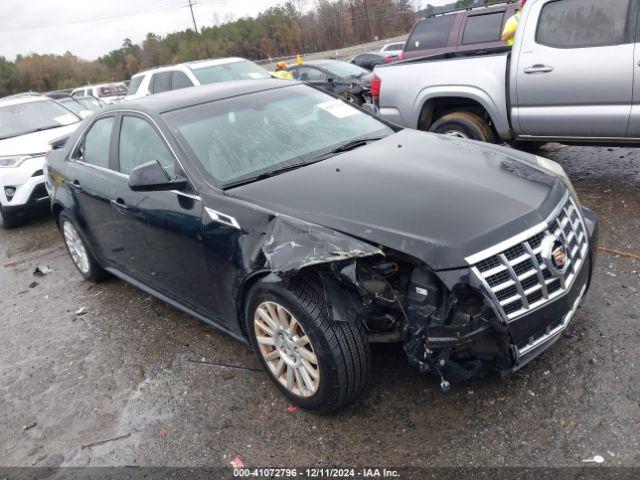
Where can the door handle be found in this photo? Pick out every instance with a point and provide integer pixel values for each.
(119, 205)
(538, 69)
(75, 185)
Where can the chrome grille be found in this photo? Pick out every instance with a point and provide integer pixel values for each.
(514, 274)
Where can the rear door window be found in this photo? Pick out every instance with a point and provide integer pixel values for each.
(161, 82)
(483, 28)
(135, 85)
(180, 80)
(94, 148)
(430, 33)
(583, 23)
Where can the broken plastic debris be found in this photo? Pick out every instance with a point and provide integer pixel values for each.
(596, 459)
(10, 264)
(30, 426)
(42, 270)
(237, 462)
(292, 409)
(82, 311)
(33, 284)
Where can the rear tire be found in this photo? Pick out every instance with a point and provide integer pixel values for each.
(79, 252)
(340, 350)
(464, 125)
(8, 220)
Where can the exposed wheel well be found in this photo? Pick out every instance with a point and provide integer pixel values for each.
(56, 210)
(437, 108)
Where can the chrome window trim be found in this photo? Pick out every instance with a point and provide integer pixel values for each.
(113, 113)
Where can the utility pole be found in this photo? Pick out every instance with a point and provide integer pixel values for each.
(195, 26)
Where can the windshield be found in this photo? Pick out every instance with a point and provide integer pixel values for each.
(243, 70)
(33, 116)
(72, 105)
(239, 138)
(344, 69)
(90, 103)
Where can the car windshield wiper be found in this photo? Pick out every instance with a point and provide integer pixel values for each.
(270, 173)
(41, 129)
(350, 145)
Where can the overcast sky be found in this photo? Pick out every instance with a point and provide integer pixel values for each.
(91, 28)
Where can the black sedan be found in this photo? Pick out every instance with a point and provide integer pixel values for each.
(350, 81)
(371, 60)
(309, 228)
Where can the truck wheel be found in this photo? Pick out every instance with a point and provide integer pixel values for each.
(464, 125)
(80, 254)
(317, 363)
(7, 220)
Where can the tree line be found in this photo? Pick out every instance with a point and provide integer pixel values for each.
(284, 30)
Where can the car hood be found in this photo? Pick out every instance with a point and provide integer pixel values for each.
(37, 142)
(436, 198)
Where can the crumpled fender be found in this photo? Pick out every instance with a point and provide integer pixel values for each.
(294, 244)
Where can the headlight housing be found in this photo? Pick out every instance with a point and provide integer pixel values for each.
(13, 161)
(558, 170)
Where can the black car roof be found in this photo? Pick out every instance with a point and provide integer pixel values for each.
(187, 97)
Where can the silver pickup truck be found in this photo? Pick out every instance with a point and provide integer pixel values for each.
(572, 76)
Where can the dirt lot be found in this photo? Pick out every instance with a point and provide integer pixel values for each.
(168, 390)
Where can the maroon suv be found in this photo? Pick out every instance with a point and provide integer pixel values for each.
(458, 31)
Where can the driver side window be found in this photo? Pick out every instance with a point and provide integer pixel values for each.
(307, 74)
(94, 148)
(140, 144)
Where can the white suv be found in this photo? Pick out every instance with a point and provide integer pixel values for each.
(28, 124)
(191, 74)
(107, 92)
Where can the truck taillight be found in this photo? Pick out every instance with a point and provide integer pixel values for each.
(402, 56)
(376, 83)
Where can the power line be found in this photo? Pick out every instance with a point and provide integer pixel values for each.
(95, 19)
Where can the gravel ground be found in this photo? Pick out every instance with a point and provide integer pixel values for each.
(167, 390)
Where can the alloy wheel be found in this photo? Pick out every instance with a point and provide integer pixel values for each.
(286, 349)
(76, 247)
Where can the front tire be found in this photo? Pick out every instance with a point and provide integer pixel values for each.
(464, 125)
(317, 363)
(80, 254)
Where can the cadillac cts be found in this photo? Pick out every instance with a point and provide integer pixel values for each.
(310, 228)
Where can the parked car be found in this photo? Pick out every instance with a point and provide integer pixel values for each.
(565, 80)
(392, 49)
(308, 228)
(350, 81)
(71, 103)
(191, 74)
(28, 122)
(90, 103)
(458, 31)
(369, 61)
(106, 92)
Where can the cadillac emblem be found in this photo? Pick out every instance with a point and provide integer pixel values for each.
(555, 254)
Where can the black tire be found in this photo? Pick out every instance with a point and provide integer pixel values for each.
(465, 125)
(8, 220)
(94, 272)
(342, 349)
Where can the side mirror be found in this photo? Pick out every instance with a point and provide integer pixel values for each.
(151, 177)
(85, 113)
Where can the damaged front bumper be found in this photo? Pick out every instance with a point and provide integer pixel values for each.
(468, 345)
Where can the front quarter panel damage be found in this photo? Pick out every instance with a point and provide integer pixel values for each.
(293, 245)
